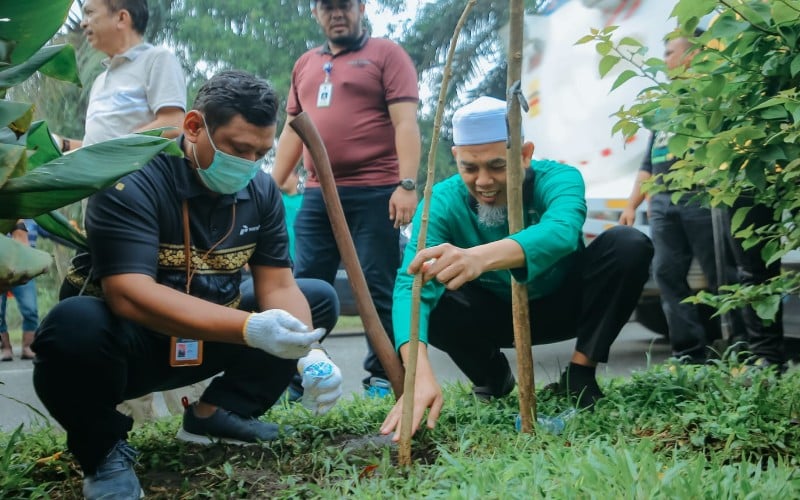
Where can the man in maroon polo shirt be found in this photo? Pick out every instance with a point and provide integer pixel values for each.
(361, 93)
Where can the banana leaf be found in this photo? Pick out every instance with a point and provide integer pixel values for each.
(62, 230)
(155, 132)
(10, 111)
(21, 124)
(11, 157)
(64, 66)
(41, 143)
(20, 263)
(31, 23)
(58, 60)
(78, 174)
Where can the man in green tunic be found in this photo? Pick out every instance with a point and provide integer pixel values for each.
(586, 293)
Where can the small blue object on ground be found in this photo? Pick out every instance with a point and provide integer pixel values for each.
(378, 388)
(550, 424)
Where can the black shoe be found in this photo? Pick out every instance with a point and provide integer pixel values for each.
(585, 395)
(495, 388)
(226, 427)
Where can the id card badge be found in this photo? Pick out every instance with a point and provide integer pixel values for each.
(185, 352)
(324, 95)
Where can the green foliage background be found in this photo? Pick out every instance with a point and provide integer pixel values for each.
(735, 119)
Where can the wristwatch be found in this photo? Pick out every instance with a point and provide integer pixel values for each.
(408, 184)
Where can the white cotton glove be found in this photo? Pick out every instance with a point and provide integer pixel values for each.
(280, 334)
(322, 381)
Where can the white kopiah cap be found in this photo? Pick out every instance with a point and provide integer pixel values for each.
(480, 122)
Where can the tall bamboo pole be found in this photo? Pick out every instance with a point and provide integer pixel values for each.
(404, 450)
(519, 292)
(376, 334)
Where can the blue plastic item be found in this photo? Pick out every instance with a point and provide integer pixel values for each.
(552, 425)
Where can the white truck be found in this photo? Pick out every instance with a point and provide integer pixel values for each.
(571, 108)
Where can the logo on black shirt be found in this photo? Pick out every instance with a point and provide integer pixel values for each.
(247, 229)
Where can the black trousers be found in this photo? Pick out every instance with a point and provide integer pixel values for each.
(763, 339)
(88, 361)
(681, 232)
(592, 305)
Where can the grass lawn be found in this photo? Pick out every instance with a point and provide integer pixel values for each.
(711, 432)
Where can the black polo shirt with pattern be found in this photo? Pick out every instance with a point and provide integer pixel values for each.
(136, 226)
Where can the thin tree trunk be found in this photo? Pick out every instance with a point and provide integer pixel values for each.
(404, 450)
(519, 291)
(377, 335)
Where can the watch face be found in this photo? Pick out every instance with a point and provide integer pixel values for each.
(408, 184)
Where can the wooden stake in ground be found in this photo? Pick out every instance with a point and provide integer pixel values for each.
(377, 335)
(519, 292)
(404, 450)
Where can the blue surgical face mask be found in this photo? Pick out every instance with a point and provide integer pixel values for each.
(227, 174)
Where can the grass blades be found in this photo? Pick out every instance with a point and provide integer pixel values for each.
(672, 431)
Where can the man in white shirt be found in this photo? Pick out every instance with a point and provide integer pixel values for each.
(142, 87)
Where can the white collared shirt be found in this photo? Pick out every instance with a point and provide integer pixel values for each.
(134, 86)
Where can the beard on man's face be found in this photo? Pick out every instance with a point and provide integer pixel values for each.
(492, 215)
(345, 40)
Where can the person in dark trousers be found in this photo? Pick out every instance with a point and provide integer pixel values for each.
(362, 95)
(764, 339)
(681, 231)
(167, 245)
(469, 259)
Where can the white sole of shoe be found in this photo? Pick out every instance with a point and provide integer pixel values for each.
(188, 437)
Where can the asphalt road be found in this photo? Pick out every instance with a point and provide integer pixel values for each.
(630, 352)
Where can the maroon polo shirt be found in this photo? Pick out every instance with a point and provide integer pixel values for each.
(356, 127)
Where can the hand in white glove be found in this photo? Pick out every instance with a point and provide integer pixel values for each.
(280, 334)
(322, 381)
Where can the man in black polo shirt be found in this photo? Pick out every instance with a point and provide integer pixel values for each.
(165, 320)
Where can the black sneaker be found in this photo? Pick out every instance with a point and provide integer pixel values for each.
(495, 388)
(114, 478)
(584, 395)
(226, 427)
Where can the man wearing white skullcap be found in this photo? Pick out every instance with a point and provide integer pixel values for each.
(586, 293)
